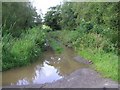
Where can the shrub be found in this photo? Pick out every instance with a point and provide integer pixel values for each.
(21, 51)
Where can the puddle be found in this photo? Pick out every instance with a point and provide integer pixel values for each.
(51, 68)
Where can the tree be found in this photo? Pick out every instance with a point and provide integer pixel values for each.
(18, 16)
(68, 16)
(53, 18)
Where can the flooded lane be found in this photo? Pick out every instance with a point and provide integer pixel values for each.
(50, 68)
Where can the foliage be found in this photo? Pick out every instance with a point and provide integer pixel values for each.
(68, 37)
(101, 18)
(94, 47)
(56, 46)
(93, 33)
(54, 41)
(19, 52)
(53, 18)
(18, 16)
(20, 43)
(87, 19)
(90, 28)
(68, 17)
(46, 28)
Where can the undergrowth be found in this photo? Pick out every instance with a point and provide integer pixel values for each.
(95, 47)
(21, 51)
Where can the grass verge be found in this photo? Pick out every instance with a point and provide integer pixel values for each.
(105, 63)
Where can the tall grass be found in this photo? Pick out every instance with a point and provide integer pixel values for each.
(95, 47)
(21, 51)
(55, 45)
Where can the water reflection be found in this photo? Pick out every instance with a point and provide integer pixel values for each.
(47, 73)
(52, 67)
(44, 74)
(22, 82)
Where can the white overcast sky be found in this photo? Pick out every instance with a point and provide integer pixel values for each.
(44, 4)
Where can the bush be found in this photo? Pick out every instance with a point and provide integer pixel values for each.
(22, 51)
(46, 28)
(95, 47)
(68, 37)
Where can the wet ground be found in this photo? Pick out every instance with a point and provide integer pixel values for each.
(64, 70)
(81, 78)
(50, 68)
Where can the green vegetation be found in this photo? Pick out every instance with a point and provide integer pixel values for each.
(53, 18)
(21, 51)
(18, 17)
(95, 48)
(92, 30)
(56, 46)
(21, 43)
(105, 63)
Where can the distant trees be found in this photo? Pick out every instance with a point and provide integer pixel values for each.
(68, 16)
(18, 16)
(53, 18)
(101, 18)
(22, 36)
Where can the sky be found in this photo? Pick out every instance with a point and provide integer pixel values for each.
(43, 5)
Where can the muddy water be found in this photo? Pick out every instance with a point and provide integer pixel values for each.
(50, 68)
